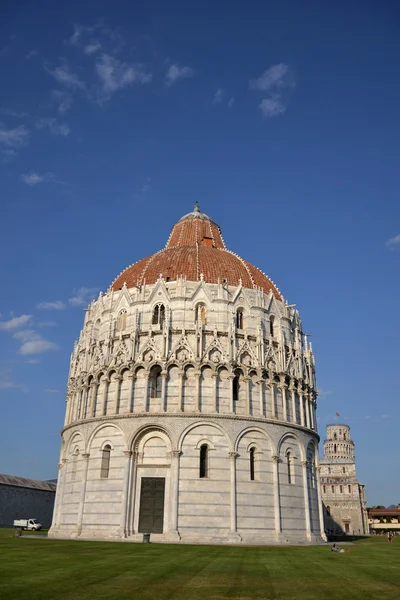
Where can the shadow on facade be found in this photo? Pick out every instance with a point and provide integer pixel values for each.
(334, 530)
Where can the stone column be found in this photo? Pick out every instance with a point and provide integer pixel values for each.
(306, 403)
(125, 493)
(130, 518)
(175, 454)
(233, 456)
(146, 392)
(85, 401)
(129, 404)
(104, 400)
(246, 380)
(164, 375)
(277, 499)
(306, 500)
(116, 393)
(231, 401)
(282, 387)
(68, 409)
(272, 386)
(320, 507)
(95, 387)
(62, 475)
(180, 392)
(198, 382)
(261, 391)
(215, 399)
(301, 405)
(293, 394)
(83, 492)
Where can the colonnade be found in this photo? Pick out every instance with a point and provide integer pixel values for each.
(82, 403)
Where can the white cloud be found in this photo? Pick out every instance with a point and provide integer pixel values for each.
(219, 96)
(231, 102)
(92, 48)
(272, 107)
(82, 296)
(9, 112)
(14, 138)
(393, 242)
(15, 323)
(54, 127)
(115, 75)
(65, 76)
(34, 178)
(65, 100)
(385, 416)
(32, 361)
(7, 383)
(56, 305)
(33, 343)
(322, 393)
(31, 54)
(175, 72)
(47, 324)
(51, 391)
(275, 77)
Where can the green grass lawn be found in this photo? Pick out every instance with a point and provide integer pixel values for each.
(38, 569)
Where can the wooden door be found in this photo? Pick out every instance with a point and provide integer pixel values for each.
(151, 512)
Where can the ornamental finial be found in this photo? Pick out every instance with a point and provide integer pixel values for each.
(196, 207)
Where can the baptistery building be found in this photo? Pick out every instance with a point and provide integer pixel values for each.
(191, 405)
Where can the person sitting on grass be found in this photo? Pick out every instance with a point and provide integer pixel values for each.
(336, 548)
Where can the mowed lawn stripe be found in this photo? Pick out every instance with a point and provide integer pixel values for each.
(68, 570)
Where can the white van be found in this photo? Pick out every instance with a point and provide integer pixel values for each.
(30, 524)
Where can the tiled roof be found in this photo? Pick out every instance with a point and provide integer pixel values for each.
(195, 250)
(49, 486)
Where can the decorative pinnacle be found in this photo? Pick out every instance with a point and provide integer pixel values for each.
(196, 207)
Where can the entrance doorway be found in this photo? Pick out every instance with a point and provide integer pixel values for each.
(347, 527)
(151, 512)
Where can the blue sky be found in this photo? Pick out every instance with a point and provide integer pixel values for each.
(281, 119)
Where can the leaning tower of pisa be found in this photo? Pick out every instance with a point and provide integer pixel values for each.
(343, 495)
(191, 405)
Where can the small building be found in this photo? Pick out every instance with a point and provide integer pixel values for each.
(343, 495)
(384, 519)
(22, 498)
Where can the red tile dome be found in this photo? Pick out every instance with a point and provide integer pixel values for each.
(197, 251)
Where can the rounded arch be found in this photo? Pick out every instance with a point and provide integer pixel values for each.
(139, 366)
(137, 435)
(99, 428)
(99, 375)
(258, 430)
(75, 438)
(292, 435)
(106, 443)
(189, 428)
(206, 442)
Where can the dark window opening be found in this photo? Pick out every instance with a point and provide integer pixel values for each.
(156, 383)
(235, 384)
(271, 326)
(252, 451)
(105, 462)
(328, 510)
(203, 461)
(239, 319)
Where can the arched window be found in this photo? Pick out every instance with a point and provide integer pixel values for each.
(345, 436)
(324, 488)
(329, 470)
(328, 510)
(105, 461)
(334, 448)
(239, 319)
(252, 463)
(333, 489)
(235, 388)
(290, 469)
(344, 469)
(203, 315)
(349, 487)
(159, 315)
(335, 436)
(121, 321)
(271, 325)
(203, 461)
(155, 382)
